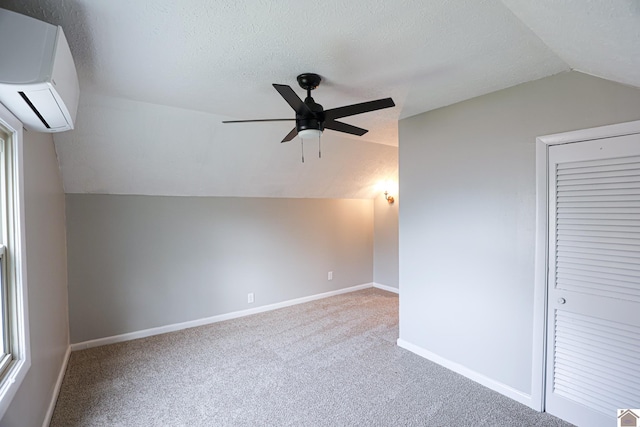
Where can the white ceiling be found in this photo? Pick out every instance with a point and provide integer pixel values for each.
(158, 76)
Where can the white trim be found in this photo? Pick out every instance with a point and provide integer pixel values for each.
(538, 356)
(56, 389)
(18, 371)
(494, 385)
(540, 282)
(620, 129)
(208, 320)
(386, 288)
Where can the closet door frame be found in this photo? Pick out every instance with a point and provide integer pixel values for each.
(541, 250)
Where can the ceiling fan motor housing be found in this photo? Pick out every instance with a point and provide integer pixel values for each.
(311, 121)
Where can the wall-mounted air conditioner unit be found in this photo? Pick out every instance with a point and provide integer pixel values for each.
(38, 80)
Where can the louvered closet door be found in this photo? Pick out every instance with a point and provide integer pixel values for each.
(593, 325)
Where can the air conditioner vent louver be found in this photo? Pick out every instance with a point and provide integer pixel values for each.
(35, 110)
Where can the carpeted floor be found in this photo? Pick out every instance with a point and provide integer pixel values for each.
(331, 362)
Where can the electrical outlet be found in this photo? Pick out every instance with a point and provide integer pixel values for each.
(249, 298)
(330, 275)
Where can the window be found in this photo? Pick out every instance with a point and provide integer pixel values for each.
(15, 357)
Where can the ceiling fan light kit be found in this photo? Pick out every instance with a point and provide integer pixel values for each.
(311, 119)
(309, 133)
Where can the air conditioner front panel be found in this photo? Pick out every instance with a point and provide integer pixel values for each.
(41, 98)
(47, 107)
(38, 79)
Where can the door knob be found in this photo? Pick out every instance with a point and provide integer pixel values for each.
(561, 300)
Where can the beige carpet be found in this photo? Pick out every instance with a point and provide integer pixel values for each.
(331, 362)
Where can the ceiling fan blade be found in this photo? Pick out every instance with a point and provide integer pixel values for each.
(290, 135)
(257, 120)
(343, 127)
(364, 107)
(293, 99)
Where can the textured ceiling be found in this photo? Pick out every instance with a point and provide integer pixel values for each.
(158, 76)
(598, 37)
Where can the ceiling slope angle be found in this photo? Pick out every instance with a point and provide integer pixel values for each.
(160, 150)
(601, 38)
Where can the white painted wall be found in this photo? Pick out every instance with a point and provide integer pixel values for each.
(385, 232)
(467, 180)
(47, 281)
(139, 262)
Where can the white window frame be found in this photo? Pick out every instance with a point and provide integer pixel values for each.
(14, 259)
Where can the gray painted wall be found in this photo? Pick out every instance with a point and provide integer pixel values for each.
(47, 281)
(385, 231)
(137, 262)
(467, 222)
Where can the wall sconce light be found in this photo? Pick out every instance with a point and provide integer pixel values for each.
(388, 197)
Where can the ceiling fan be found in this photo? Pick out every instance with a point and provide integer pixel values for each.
(311, 119)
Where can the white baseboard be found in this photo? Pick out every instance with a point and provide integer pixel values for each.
(386, 288)
(494, 385)
(208, 320)
(56, 389)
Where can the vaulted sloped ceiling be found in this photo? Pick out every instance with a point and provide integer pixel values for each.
(158, 77)
(598, 37)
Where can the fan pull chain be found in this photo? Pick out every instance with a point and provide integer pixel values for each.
(302, 145)
(319, 147)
